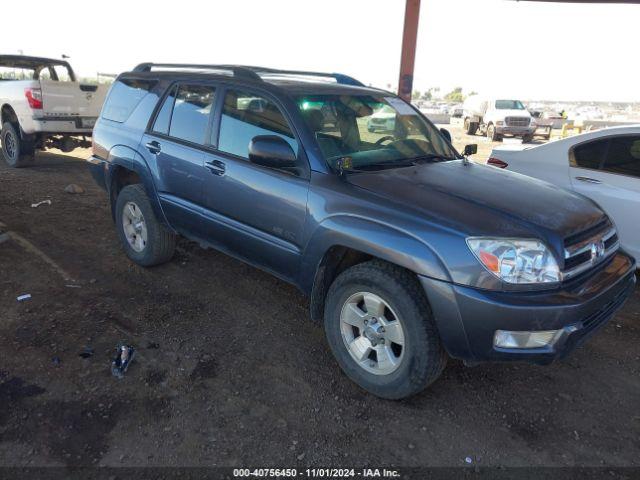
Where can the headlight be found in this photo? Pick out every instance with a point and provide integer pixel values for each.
(515, 260)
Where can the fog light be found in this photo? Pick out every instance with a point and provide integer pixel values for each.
(539, 339)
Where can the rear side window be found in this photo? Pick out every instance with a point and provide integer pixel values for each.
(163, 119)
(590, 155)
(191, 112)
(623, 156)
(246, 115)
(124, 97)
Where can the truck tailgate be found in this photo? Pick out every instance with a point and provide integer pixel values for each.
(62, 99)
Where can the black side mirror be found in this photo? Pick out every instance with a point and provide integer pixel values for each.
(470, 149)
(271, 151)
(446, 134)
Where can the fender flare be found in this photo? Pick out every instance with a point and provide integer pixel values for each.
(122, 156)
(373, 238)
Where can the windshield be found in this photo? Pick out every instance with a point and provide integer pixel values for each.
(509, 105)
(371, 131)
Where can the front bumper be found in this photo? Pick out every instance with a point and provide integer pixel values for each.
(468, 318)
(515, 131)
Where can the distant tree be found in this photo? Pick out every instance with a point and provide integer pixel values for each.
(416, 95)
(455, 95)
(473, 92)
(427, 95)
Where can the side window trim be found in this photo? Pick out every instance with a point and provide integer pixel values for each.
(267, 96)
(173, 87)
(572, 158)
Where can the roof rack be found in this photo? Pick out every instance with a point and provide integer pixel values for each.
(338, 77)
(237, 70)
(252, 73)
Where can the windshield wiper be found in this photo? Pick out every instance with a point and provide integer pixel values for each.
(432, 157)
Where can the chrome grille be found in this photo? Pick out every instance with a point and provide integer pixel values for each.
(589, 248)
(517, 121)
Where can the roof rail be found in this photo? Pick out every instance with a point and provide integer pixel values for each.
(237, 70)
(338, 77)
(252, 73)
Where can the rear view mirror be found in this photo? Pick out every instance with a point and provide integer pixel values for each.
(446, 134)
(271, 151)
(470, 149)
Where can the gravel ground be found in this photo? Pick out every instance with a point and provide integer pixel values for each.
(231, 372)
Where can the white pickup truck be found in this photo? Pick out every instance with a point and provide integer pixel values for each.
(498, 118)
(44, 106)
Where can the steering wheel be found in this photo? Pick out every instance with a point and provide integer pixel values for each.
(384, 139)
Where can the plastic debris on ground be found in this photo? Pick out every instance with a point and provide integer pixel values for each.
(43, 202)
(22, 298)
(87, 352)
(122, 360)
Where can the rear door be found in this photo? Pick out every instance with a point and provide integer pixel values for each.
(174, 147)
(255, 212)
(608, 171)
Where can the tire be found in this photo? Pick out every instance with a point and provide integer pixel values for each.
(492, 135)
(419, 358)
(527, 138)
(146, 242)
(16, 152)
(371, 129)
(470, 127)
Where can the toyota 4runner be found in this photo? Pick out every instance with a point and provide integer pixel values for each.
(409, 252)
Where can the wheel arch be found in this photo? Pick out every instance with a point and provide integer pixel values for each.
(127, 167)
(8, 114)
(342, 242)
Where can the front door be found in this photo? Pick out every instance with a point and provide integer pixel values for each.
(255, 212)
(608, 171)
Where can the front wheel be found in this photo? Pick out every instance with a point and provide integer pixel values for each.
(146, 241)
(16, 152)
(381, 330)
(527, 139)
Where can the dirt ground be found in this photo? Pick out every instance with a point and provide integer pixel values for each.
(231, 372)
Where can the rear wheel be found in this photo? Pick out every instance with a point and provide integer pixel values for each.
(16, 152)
(527, 138)
(381, 330)
(146, 241)
(470, 127)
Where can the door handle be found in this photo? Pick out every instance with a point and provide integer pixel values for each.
(588, 180)
(216, 167)
(154, 147)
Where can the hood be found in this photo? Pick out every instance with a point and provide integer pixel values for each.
(477, 199)
(506, 112)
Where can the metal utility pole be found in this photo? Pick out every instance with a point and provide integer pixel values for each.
(408, 56)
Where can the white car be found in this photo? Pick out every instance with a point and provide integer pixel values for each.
(42, 105)
(603, 165)
(384, 120)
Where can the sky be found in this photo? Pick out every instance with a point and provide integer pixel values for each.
(528, 50)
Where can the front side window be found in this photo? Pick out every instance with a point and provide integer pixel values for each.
(623, 156)
(509, 105)
(191, 112)
(372, 131)
(590, 155)
(246, 115)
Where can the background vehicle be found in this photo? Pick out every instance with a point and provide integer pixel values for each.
(497, 118)
(603, 165)
(383, 120)
(409, 252)
(42, 106)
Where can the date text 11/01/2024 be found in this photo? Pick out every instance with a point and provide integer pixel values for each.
(316, 473)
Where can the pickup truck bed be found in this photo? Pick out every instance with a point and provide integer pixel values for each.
(44, 106)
